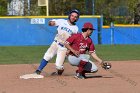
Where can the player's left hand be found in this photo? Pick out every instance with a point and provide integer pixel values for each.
(106, 65)
(76, 53)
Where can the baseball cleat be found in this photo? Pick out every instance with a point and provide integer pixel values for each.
(83, 74)
(54, 73)
(79, 76)
(58, 72)
(38, 72)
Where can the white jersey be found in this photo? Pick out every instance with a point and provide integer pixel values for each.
(64, 30)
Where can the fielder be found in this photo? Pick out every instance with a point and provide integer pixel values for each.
(79, 44)
(65, 29)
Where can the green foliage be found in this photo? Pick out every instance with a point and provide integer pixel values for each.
(117, 11)
(3, 7)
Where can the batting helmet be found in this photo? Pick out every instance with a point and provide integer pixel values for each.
(74, 11)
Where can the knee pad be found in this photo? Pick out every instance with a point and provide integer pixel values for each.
(88, 67)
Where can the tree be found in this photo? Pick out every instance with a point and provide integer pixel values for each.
(117, 11)
(134, 7)
(3, 7)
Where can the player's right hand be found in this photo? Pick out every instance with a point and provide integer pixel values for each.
(51, 23)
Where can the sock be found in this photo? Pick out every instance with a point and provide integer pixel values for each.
(42, 64)
(81, 66)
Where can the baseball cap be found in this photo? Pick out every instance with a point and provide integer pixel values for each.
(88, 25)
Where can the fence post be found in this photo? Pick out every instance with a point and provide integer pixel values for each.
(112, 33)
(28, 7)
(100, 24)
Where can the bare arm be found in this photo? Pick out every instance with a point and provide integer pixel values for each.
(104, 65)
(76, 53)
(96, 58)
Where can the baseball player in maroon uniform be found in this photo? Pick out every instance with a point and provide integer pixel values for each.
(79, 44)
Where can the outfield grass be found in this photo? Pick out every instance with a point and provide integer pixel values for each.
(33, 54)
(118, 52)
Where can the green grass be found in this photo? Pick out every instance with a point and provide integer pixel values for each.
(33, 54)
(21, 54)
(118, 52)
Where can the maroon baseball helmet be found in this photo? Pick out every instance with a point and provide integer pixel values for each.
(88, 25)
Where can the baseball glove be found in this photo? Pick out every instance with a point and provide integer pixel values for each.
(106, 65)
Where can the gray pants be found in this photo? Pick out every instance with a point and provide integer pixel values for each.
(74, 61)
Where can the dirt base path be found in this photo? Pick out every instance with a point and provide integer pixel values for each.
(124, 77)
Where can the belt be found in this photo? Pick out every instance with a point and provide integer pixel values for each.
(59, 43)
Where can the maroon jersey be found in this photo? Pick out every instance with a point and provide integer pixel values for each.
(79, 43)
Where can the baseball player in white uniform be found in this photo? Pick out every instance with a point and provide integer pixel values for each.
(65, 29)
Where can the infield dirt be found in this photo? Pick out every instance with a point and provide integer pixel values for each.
(124, 77)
